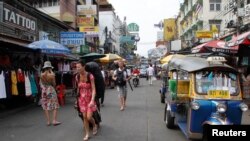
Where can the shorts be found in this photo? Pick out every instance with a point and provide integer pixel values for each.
(122, 91)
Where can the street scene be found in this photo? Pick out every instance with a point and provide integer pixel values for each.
(142, 120)
(138, 70)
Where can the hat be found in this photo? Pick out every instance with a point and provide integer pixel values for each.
(47, 64)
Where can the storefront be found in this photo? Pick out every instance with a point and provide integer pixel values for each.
(20, 25)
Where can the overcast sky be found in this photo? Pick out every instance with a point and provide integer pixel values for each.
(146, 13)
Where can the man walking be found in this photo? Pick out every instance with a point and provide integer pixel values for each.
(121, 76)
(150, 72)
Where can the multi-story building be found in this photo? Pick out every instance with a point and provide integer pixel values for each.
(63, 10)
(236, 16)
(76, 13)
(199, 15)
(110, 28)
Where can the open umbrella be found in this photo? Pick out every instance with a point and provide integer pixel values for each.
(93, 56)
(166, 59)
(109, 58)
(49, 47)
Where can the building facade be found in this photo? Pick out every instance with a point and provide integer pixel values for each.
(199, 15)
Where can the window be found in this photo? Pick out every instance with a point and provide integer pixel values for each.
(215, 5)
(215, 22)
(216, 81)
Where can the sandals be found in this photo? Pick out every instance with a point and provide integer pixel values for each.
(86, 138)
(95, 129)
(57, 123)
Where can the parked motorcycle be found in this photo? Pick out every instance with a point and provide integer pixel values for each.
(135, 80)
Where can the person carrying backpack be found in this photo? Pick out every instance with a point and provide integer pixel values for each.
(86, 99)
(121, 76)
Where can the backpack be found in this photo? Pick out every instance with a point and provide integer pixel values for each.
(120, 81)
(93, 68)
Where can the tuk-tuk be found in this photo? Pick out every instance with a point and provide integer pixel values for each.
(202, 92)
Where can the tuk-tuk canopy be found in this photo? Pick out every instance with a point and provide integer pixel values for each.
(191, 64)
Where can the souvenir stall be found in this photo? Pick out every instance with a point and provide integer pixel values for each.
(18, 85)
(60, 57)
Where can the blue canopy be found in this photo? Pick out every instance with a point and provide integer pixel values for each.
(49, 47)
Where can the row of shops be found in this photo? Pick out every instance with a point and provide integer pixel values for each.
(20, 66)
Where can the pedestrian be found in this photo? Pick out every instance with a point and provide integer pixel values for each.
(48, 93)
(121, 76)
(150, 72)
(103, 75)
(86, 98)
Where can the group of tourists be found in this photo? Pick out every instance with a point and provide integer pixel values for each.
(90, 88)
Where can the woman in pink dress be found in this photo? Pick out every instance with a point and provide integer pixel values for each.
(86, 100)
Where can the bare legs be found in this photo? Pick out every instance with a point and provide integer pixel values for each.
(88, 118)
(47, 115)
(122, 102)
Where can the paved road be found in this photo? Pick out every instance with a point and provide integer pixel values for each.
(142, 120)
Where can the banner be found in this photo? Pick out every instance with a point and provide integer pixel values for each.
(204, 34)
(86, 10)
(89, 29)
(85, 21)
(169, 29)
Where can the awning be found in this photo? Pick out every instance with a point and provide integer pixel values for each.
(7, 44)
(215, 46)
(244, 38)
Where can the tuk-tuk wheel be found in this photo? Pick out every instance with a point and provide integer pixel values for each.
(162, 98)
(204, 136)
(169, 120)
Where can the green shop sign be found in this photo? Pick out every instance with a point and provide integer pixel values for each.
(133, 27)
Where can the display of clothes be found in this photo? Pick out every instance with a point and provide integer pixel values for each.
(17, 83)
(63, 67)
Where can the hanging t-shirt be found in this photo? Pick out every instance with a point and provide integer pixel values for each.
(2, 86)
(27, 86)
(33, 85)
(14, 83)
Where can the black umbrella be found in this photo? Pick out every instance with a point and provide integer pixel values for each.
(92, 56)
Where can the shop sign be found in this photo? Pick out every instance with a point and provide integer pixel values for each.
(92, 34)
(169, 29)
(204, 34)
(17, 18)
(89, 29)
(133, 27)
(126, 39)
(86, 10)
(85, 21)
(72, 38)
